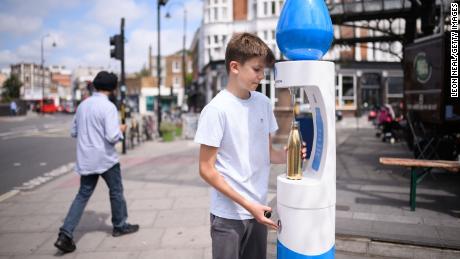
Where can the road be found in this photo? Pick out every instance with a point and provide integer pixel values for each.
(33, 145)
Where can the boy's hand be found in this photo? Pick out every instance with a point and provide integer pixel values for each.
(304, 150)
(258, 211)
(123, 127)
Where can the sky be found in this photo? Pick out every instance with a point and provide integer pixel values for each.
(81, 30)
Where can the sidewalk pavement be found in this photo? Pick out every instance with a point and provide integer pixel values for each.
(166, 196)
(28, 115)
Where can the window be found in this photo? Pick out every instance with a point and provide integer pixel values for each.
(209, 40)
(348, 90)
(347, 86)
(265, 9)
(371, 79)
(176, 67)
(216, 14)
(265, 35)
(224, 13)
(176, 81)
(149, 103)
(274, 49)
(216, 39)
(273, 8)
(395, 85)
(273, 34)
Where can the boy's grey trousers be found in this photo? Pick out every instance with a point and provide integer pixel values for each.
(238, 239)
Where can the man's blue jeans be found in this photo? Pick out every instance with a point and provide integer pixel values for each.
(88, 183)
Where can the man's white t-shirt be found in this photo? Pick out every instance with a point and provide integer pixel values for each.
(240, 129)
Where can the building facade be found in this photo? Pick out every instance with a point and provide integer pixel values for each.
(367, 74)
(81, 80)
(61, 84)
(223, 18)
(36, 82)
(172, 84)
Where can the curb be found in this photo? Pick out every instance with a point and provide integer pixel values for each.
(39, 181)
(366, 247)
(369, 247)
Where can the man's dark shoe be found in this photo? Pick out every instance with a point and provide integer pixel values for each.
(127, 229)
(65, 244)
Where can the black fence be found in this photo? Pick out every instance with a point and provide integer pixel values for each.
(22, 108)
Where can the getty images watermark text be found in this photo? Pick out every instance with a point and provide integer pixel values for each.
(454, 50)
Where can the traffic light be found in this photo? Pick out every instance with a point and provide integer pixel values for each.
(117, 42)
(162, 2)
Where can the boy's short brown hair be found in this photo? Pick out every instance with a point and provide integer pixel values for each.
(244, 46)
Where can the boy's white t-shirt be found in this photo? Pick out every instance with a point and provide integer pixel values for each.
(240, 129)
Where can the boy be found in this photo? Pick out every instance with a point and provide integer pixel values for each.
(235, 154)
(97, 130)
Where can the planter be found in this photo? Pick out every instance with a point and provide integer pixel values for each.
(168, 136)
(178, 132)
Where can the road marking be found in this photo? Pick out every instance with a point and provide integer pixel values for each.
(27, 131)
(8, 195)
(3, 134)
(42, 164)
(46, 177)
(17, 164)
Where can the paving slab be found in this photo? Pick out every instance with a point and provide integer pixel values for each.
(145, 239)
(21, 244)
(173, 254)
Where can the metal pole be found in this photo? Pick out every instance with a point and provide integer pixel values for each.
(158, 68)
(43, 75)
(184, 60)
(123, 86)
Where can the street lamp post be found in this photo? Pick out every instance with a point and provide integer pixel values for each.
(159, 4)
(184, 60)
(43, 68)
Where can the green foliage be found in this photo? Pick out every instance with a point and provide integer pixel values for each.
(178, 131)
(167, 126)
(11, 88)
(144, 72)
(188, 79)
(168, 136)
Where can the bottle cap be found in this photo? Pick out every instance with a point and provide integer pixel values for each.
(295, 123)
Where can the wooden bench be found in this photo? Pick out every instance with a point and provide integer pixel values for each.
(416, 177)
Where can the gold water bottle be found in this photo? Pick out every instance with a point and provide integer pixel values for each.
(294, 155)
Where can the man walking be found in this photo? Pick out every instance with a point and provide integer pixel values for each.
(13, 108)
(97, 130)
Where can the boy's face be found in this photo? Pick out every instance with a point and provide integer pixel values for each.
(250, 73)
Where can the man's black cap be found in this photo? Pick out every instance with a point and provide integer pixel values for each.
(105, 81)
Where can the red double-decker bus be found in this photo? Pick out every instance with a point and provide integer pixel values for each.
(48, 106)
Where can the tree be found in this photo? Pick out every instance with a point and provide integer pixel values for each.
(144, 72)
(11, 88)
(188, 79)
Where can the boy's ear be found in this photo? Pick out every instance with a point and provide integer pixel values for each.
(234, 67)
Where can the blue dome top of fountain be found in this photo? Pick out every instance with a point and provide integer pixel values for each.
(304, 30)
